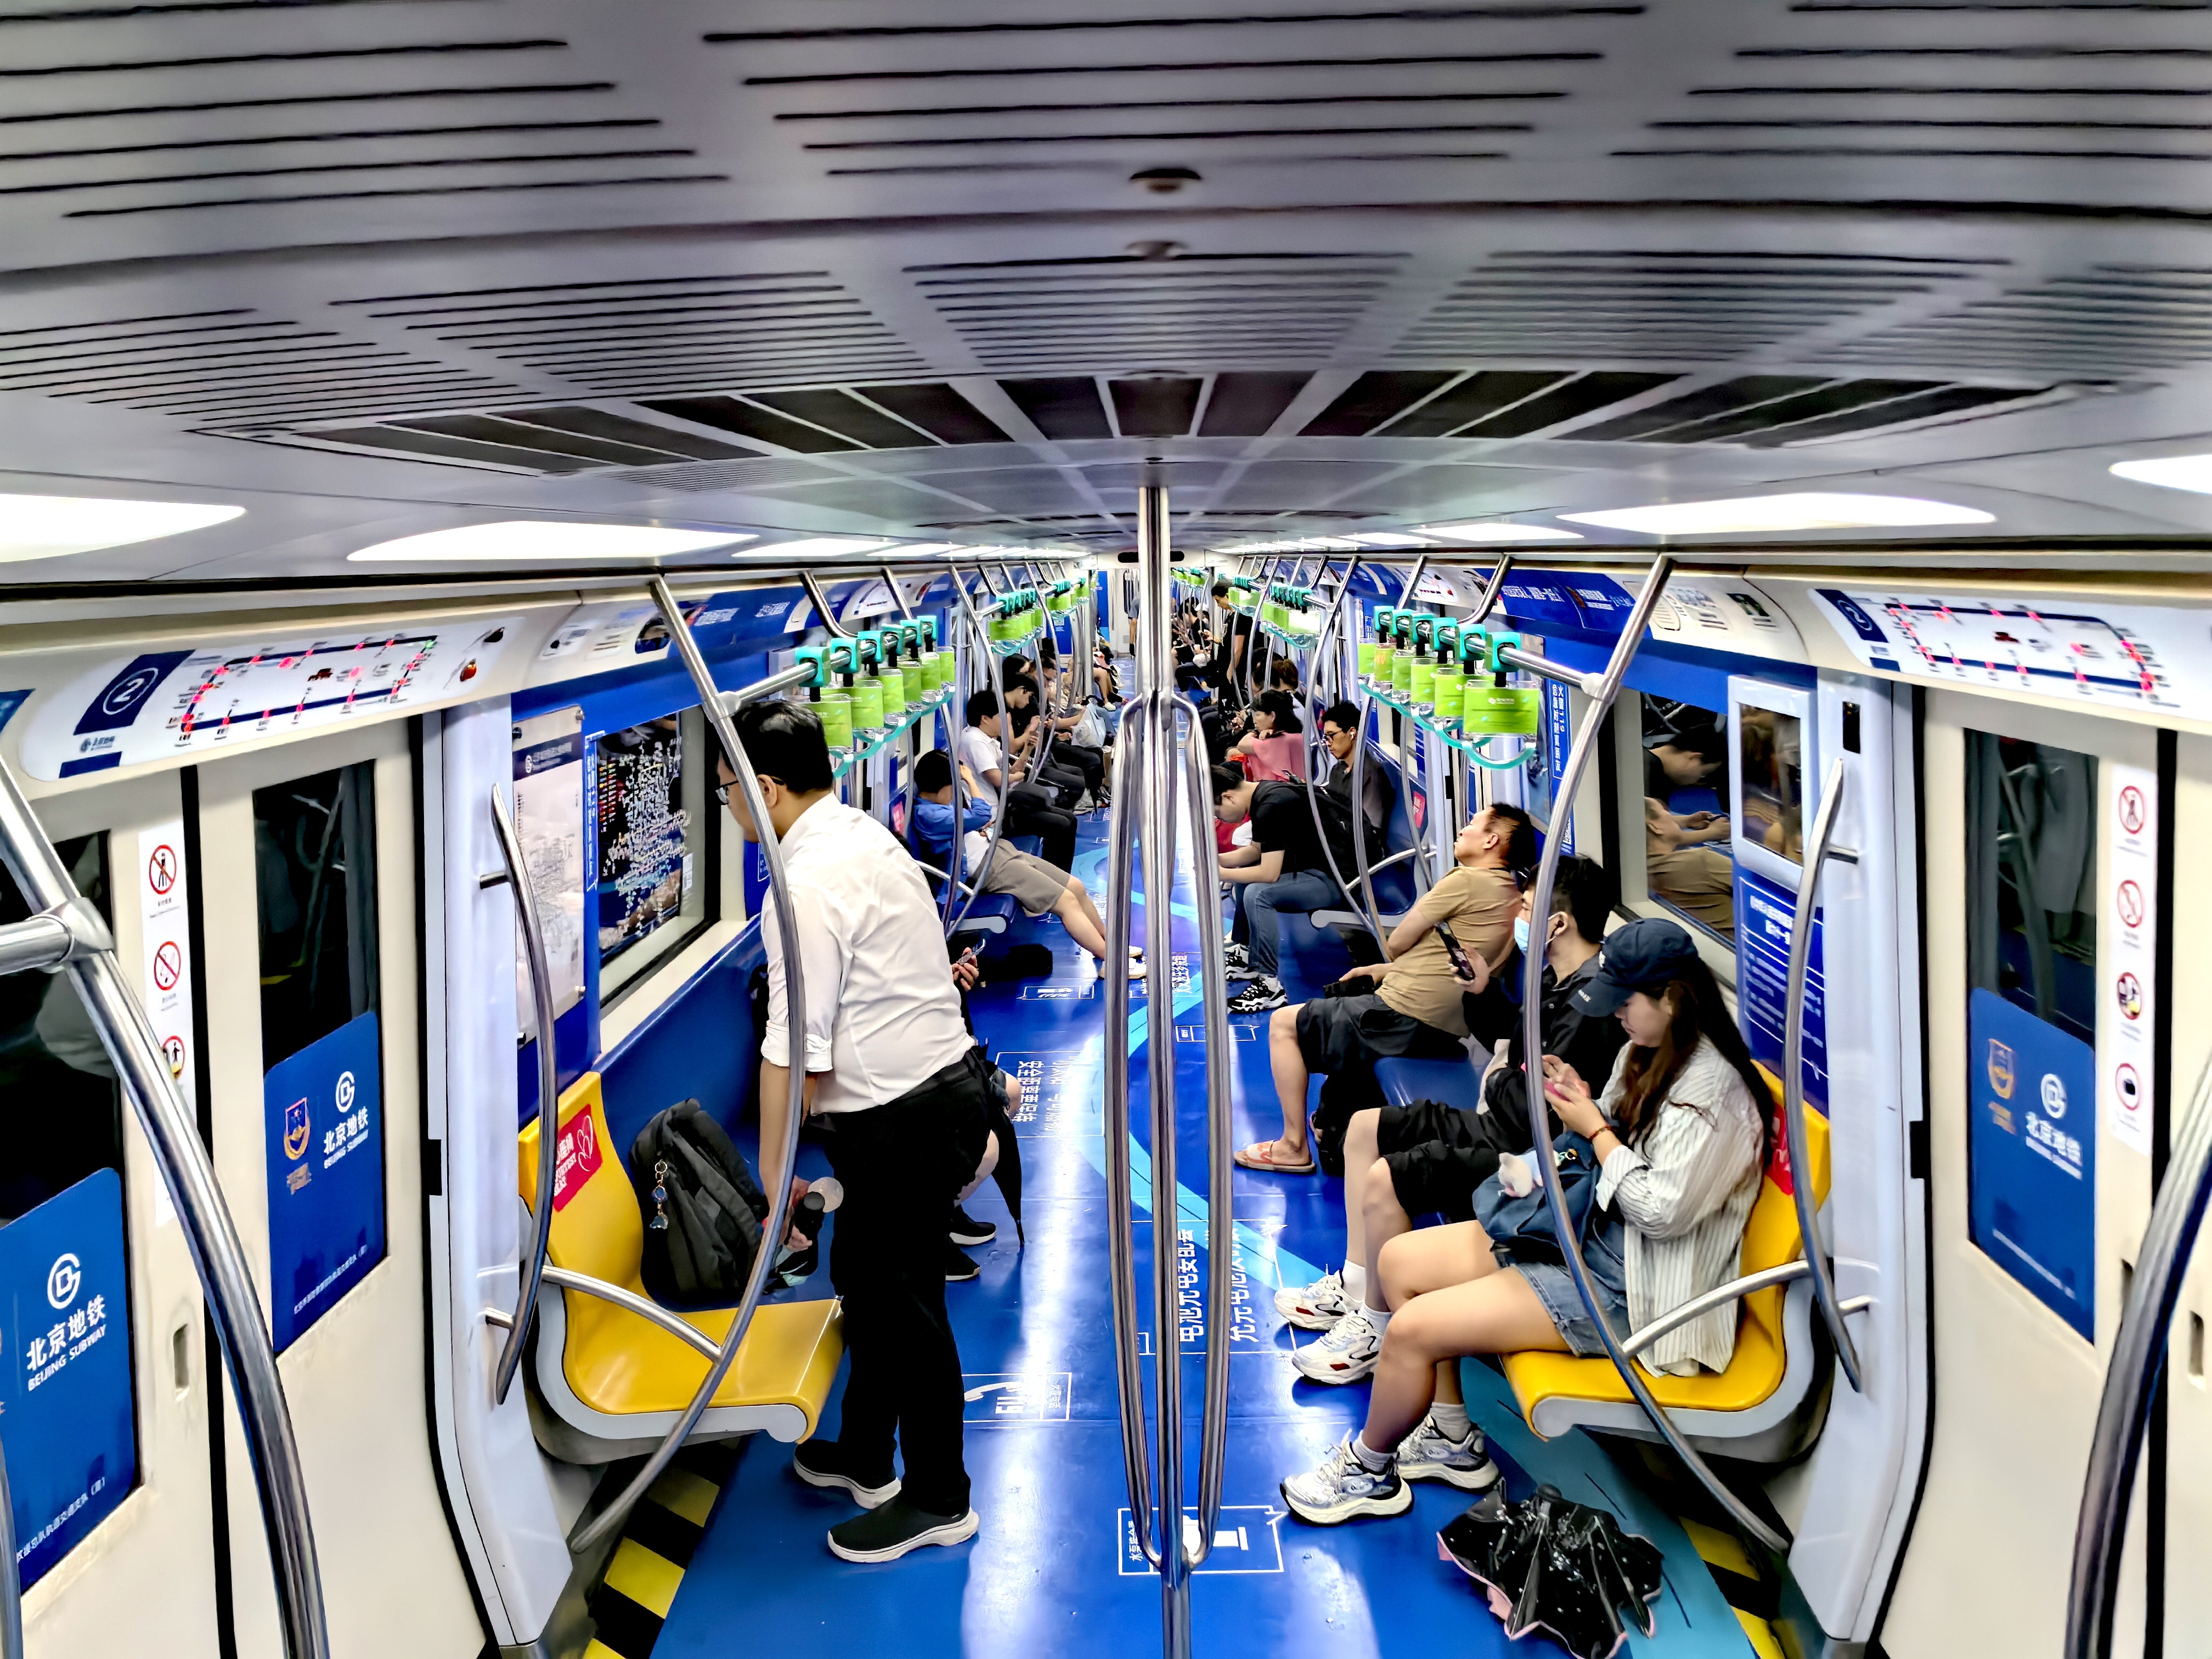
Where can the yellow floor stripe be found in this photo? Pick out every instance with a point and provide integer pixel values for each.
(685, 1494)
(1719, 1549)
(598, 1649)
(1762, 1636)
(648, 1579)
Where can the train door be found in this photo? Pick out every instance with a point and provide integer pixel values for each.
(108, 1450)
(308, 868)
(2040, 839)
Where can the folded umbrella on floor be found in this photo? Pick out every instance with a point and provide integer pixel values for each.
(1563, 1568)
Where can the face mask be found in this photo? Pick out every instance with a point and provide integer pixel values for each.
(1521, 932)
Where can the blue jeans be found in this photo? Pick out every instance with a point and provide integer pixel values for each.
(1258, 905)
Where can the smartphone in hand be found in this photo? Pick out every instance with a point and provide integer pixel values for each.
(1460, 965)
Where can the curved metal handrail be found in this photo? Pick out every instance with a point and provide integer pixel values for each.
(565, 1279)
(982, 637)
(711, 700)
(821, 602)
(549, 1093)
(1488, 600)
(1313, 799)
(210, 1234)
(2131, 1379)
(11, 1585)
(1720, 1297)
(1532, 1047)
(1817, 851)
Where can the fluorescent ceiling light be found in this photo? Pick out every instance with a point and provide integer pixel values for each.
(47, 526)
(821, 546)
(1388, 538)
(1491, 530)
(2192, 472)
(920, 549)
(538, 540)
(1811, 510)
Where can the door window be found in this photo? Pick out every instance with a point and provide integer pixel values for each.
(1771, 781)
(1687, 788)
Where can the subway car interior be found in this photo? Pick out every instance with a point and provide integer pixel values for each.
(1677, 529)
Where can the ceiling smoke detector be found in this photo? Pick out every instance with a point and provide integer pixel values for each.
(1156, 250)
(1165, 181)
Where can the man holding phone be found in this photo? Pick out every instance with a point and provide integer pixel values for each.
(1414, 1007)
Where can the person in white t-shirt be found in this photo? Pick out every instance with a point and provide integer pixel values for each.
(1029, 810)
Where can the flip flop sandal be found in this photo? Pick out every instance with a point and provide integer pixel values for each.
(1254, 1158)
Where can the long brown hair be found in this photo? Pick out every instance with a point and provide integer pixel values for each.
(1646, 1074)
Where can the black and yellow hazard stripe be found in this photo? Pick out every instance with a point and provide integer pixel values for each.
(647, 1567)
(1754, 1594)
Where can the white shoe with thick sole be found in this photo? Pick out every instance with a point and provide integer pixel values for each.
(1350, 1350)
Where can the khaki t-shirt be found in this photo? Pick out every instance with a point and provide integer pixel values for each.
(1479, 905)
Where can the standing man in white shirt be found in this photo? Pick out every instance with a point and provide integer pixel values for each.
(897, 1084)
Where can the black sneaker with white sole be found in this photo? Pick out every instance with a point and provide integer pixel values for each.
(966, 1230)
(959, 1267)
(1264, 993)
(886, 1534)
(823, 1463)
(1235, 956)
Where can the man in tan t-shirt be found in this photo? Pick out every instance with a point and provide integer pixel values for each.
(1414, 1009)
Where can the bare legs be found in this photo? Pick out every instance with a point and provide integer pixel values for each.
(1451, 1299)
(1081, 919)
(1372, 1215)
(1290, 1080)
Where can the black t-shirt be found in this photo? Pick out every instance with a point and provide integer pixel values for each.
(1588, 1042)
(1282, 821)
(1235, 626)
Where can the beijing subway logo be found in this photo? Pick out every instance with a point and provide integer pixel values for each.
(295, 1129)
(2002, 1077)
(63, 1280)
(2054, 1096)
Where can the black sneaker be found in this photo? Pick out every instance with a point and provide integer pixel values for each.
(888, 1532)
(822, 1463)
(959, 1268)
(966, 1230)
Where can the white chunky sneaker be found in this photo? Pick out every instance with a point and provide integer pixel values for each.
(1427, 1454)
(1313, 1306)
(1349, 1352)
(1343, 1487)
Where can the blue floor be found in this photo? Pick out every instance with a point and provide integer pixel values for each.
(1053, 1571)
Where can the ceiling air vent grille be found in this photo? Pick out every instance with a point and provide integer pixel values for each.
(2115, 318)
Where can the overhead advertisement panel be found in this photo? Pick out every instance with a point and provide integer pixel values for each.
(2135, 657)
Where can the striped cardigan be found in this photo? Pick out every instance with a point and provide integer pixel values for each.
(1685, 1195)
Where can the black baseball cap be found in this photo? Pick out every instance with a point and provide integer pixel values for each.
(1634, 958)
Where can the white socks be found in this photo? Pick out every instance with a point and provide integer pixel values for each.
(1451, 1421)
(1378, 1317)
(1371, 1460)
(1355, 1282)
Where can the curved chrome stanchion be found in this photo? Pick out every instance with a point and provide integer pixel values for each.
(1720, 1297)
(982, 637)
(821, 602)
(11, 1585)
(563, 1279)
(1490, 591)
(2131, 1380)
(549, 1093)
(1322, 642)
(1817, 852)
(211, 1236)
(717, 710)
(1532, 1041)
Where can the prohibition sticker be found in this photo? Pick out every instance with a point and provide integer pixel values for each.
(2131, 906)
(168, 965)
(162, 869)
(2135, 810)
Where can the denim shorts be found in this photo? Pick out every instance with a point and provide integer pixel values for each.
(1555, 1288)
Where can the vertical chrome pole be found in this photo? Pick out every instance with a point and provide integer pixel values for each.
(549, 1092)
(210, 1233)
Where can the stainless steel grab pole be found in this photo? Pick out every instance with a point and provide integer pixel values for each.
(1532, 1048)
(717, 711)
(982, 638)
(1358, 803)
(898, 597)
(821, 602)
(1120, 1204)
(1491, 589)
(549, 1092)
(1816, 852)
(2131, 1381)
(11, 1585)
(210, 1232)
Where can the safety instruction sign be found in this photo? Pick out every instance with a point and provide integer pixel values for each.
(1765, 915)
(164, 901)
(65, 1409)
(2032, 1155)
(2129, 933)
(325, 1109)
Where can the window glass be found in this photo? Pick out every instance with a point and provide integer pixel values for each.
(653, 829)
(58, 1092)
(1770, 778)
(1687, 861)
(2031, 859)
(315, 864)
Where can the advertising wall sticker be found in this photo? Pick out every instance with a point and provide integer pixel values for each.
(325, 1110)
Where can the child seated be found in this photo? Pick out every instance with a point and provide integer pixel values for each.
(1038, 887)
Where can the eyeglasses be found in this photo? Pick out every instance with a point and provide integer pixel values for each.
(722, 790)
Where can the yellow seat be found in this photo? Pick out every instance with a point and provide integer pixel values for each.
(613, 1377)
(1768, 1376)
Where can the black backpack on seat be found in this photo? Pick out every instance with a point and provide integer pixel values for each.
(703, 1209)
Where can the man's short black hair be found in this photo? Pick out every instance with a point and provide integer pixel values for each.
(1520, 844)
(981, 705)
(784, 741)
(1587, 891)
(1343, 715)
(1017, 668)
(933, 772)
(1226, 778)
(1221, 590)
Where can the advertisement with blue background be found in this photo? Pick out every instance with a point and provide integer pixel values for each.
(325, 1109)
(65, 1414)
(1765, 912)
(2032, 1155)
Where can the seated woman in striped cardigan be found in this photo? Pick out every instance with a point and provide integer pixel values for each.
(1681, 1134)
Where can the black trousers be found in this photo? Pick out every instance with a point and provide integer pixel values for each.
(1029, 811)
(901, 1165)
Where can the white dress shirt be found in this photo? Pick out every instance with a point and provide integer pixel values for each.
(881, 1012)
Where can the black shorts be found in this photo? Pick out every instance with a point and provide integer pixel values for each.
(1437, 1155)
(1339, 1033)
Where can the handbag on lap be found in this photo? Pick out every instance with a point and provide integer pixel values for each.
(1520, 1228)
